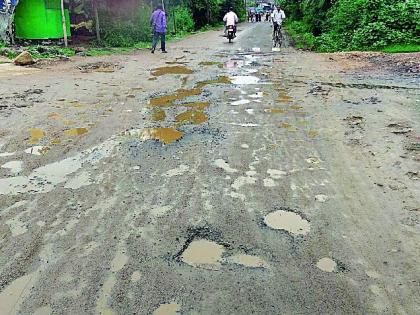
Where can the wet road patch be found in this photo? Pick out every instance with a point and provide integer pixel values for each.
(288, 221)
(248, 261)
(192, 117)
(171, 70)
(164, 135)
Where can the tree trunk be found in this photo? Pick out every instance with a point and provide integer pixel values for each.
(63, 18)
(97, 25)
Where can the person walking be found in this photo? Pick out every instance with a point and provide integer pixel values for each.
(158, 23)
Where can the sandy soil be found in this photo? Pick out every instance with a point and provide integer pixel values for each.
(236, 180)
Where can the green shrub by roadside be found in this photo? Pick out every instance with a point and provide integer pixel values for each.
(353, 24)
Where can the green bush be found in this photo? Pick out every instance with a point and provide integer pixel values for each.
(184, 22)
(355, 24)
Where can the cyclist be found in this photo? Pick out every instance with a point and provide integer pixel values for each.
(277, 17)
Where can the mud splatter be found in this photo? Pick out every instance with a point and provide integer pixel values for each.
(158, 115)
(203, 254)
(164, 135)
(36, 135)
(219, 80)
(54, 116)
(327, 265)
(313, 134)
(192, 116)
(288, 221)
(75, 132)
(195, 105)
(171, 70)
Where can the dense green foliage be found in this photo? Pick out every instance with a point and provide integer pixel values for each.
(125, 28)
(327, 25)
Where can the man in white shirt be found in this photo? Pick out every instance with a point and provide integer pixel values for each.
(230, 19)
(278, 16)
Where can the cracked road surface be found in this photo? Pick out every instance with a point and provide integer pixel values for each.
(217, 179)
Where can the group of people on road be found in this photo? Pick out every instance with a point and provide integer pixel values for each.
(159, 24)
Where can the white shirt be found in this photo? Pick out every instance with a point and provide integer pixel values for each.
(278, 16)
(231, 18)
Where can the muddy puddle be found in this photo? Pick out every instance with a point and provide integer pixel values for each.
(157, 72)
(211, 63)
(203, 254)
(327, 265)
(164, 135)
(167, 100)
(192, 116)
(76, 132)
(288, 221)
(158, 115)
(219, 80)
(36, 135)
(195, 105)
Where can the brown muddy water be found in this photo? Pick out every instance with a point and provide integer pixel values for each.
(171, 70)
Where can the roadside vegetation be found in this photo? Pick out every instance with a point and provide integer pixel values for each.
(125, 27)
(348, 25)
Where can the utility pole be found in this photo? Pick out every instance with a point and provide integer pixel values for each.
(97, 25)
(63, 18)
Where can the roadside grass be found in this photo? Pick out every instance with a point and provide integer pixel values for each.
(402, 48)
(55, 51)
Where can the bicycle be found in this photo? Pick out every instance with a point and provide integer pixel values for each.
(277, 37)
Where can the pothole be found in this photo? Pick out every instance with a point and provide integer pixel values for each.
(164, 135)
(192, 116)
(171, 70)
(203, 254)
(288, 221)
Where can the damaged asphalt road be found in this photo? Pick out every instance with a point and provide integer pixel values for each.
(217, 179)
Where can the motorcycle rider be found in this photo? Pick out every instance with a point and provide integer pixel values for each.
(278, 16)
(230, 19)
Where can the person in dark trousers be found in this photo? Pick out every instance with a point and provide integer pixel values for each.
(158, 23)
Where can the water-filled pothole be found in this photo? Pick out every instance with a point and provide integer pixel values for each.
(288, 221)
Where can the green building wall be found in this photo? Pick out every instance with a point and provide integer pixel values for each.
(40, 19)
